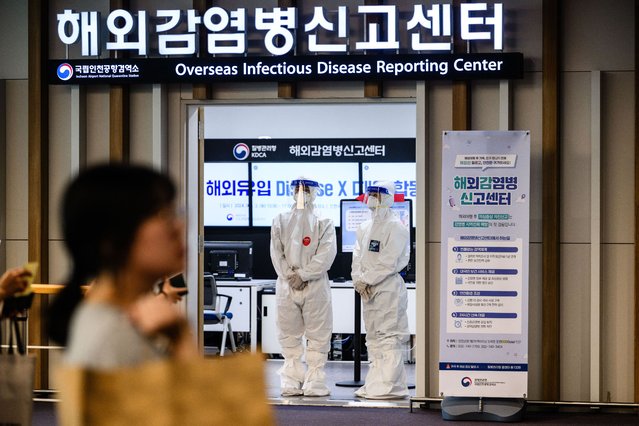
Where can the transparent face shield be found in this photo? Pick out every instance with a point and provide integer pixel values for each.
(303, 190)
(374, 194)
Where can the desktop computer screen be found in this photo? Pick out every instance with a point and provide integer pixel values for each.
(355, 212)
(228, 260)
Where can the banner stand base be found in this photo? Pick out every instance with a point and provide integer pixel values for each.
(483, 409)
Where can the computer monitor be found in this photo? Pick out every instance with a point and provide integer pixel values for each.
(229, 260)
(354, 212)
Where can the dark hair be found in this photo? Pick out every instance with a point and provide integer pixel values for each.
(102, 209)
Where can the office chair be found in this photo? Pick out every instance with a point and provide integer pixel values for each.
(214, 315)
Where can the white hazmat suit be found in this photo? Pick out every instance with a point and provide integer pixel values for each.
(381, 252)
(303, 248)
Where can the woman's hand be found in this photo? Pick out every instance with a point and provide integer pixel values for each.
(156, 316)
(13, 281)
(172, 294)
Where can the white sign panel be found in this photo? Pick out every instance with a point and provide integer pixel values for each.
(403, 174)
(336, 181)
(226, 194)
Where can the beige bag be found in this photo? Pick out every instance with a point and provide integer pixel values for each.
(16, 389)
(227, 391)
(16, 375)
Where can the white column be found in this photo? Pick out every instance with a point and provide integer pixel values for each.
(193, 218)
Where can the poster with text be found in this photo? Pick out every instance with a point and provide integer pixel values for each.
(484, 264)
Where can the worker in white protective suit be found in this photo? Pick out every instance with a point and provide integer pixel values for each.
(303, 248)
(381, 251)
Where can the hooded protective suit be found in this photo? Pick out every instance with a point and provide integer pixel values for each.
(381, 251)
(303, 248)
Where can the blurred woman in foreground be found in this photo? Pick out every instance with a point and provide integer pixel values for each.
(121, 231)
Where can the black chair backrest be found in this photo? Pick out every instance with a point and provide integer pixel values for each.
(210, 292)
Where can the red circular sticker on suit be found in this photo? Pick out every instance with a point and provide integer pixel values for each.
(306, 241)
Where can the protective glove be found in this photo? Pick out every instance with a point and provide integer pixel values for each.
(295, 281)
(363, 289)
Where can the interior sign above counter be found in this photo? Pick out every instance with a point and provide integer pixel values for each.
(288, 68)
(349, 41)
(381, 150)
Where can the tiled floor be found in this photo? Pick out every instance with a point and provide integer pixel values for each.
(336, 371)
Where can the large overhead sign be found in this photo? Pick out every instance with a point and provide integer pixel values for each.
(280, 44)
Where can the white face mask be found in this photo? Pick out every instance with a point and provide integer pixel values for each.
(372, 203)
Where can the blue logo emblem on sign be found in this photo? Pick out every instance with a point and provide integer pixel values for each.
(241, 151)
(65, 71)
(229, 217)
(466, 381)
